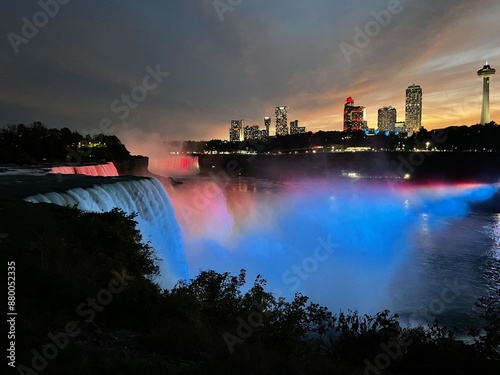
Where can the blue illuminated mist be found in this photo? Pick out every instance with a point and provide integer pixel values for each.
(342, 244)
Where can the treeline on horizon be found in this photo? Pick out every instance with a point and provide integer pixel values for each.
(69, 260)
(35, 143)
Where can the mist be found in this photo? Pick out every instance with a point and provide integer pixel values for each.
(166, 156)
(342, 243)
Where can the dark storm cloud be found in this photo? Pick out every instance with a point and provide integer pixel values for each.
(262, 54)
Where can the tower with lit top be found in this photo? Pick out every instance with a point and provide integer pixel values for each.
(486, 73)
(354, 116)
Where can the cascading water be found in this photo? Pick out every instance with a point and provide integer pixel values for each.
(156, 218)
(174, 165)
(107, 169)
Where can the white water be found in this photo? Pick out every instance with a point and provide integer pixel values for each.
(156, 218)
(107, 169)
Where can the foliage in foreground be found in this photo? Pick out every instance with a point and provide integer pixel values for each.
(256, 332)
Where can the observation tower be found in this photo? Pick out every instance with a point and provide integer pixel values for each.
(486, 73)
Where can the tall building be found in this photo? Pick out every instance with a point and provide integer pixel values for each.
(251, 132)
(267, 125)
(295, 128)
(236, 131)
(401, 127)
(387, 119)
(413, 114)
(354, 116)
(486, 73)
(281, 121)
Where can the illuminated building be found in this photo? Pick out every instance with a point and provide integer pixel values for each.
(281, 121)
(354, 116)
(400, 127)
(413, 114)
(387, 119)
(295, 129)
(267, 124)
(486, 73)
(251, 132)
(236, 131)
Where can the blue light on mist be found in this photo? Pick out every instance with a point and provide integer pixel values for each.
(455, 202)
(340, 244)
(480, 193)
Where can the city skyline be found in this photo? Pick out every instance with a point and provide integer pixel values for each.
(354, 118)
(206, 68)
(238, 131)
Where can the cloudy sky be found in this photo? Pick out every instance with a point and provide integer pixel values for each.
(88, 64)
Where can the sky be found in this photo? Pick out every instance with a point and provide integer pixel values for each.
(157, 70)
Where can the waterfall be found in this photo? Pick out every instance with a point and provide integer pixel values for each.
(107, 169)
(175, 165)
(156, 218)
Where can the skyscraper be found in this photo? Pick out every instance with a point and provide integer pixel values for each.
(486, 73)
(387, 119)
(295, 128)
(413, 114)
(251, 132)
(267, 124)
(281, 121)
(400, 127)
(354, 116)
(236, 131)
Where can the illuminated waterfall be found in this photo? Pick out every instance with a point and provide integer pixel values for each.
(107, 169)
(175, 165)
(156, 218)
